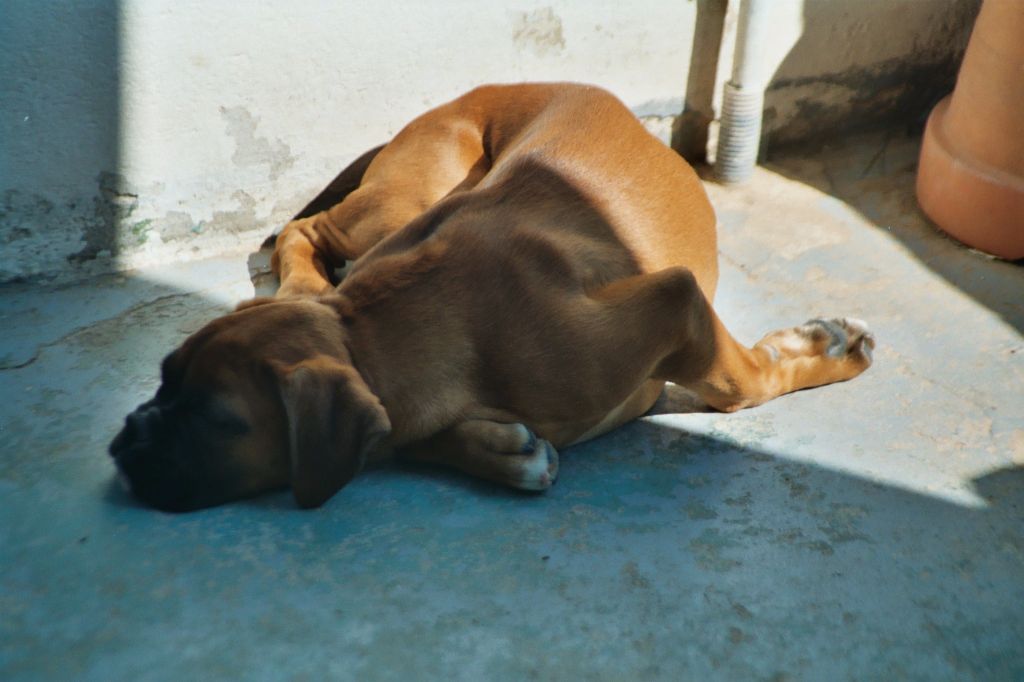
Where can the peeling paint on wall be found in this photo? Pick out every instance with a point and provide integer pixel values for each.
(112, 206)
(239, 220)
(50, 235)
(539, 32)
(18, 211)
(177, 225)
(254, 150)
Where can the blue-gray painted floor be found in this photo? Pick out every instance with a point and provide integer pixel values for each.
(867, 530)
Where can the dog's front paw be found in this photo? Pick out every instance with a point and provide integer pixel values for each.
(540, 468)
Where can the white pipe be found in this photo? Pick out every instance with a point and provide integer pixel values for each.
(740, 133)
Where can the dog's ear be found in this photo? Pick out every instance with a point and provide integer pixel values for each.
(334, 421)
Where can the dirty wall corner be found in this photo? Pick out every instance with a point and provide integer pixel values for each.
(863, 66)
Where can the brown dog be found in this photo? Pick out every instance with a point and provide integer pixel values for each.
(531, 268)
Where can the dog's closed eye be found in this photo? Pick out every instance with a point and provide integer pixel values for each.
(222, 419)
(211, 414)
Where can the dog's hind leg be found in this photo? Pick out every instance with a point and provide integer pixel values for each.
(436, 155)
(700, 354)
(346, 182)
(509, 454)
(309, 249)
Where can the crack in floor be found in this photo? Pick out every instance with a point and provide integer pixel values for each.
(78, 330)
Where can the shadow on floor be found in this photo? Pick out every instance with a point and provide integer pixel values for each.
(875, 175)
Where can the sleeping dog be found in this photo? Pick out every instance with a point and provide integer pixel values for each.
(530, 268)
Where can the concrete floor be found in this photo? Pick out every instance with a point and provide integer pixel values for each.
(867, 530)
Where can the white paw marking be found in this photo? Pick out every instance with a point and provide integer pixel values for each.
(541, 468)
(856, 325)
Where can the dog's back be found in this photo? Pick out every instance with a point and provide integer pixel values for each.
(570, 180)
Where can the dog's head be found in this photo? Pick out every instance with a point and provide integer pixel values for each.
(254, 401)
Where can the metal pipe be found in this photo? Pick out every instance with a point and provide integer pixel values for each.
(739, 136)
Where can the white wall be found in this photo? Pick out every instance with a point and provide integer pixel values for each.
(135, 131)
(232, 115)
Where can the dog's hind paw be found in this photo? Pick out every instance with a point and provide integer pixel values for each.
(844, 338)
(841, 338)
(819, 352)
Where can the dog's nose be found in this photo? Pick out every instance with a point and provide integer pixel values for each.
(142, 422)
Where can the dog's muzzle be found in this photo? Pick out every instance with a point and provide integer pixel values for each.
(143, 422)
(148, 461)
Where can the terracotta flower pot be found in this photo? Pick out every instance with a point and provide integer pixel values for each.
(970, 178)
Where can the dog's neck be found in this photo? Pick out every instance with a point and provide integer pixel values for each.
(385, 353)
(348, 323)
